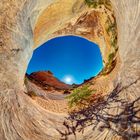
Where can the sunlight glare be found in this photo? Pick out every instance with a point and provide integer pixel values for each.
(68, 80)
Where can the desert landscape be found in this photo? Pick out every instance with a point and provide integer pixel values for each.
(38, 106)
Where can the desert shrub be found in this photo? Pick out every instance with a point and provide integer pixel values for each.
(96, 3)
(89, 2)
(113, 41)
(79, 96)
(111, 57)
(92, 3)
(111, 28)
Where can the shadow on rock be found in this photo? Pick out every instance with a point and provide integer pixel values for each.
(124, 123)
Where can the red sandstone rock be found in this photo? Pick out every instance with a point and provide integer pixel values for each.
(46, 79)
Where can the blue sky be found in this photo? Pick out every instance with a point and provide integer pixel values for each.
(71, 59)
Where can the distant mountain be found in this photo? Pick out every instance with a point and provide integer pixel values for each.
(47, 80)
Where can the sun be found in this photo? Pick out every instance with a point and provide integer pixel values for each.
(68, 79)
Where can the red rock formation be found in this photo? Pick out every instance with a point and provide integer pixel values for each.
(46, 79)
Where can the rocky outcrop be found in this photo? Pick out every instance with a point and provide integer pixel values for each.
(116, 117)
(47, 80)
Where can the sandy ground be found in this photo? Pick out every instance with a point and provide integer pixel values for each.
(50, 100)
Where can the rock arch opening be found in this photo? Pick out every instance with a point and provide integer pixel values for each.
(97, 25)
(71, 59)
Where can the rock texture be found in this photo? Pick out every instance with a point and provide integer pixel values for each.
(48, 97)
(75, 19)
(116, 117)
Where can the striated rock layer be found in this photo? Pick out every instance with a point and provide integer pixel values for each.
(21, 118)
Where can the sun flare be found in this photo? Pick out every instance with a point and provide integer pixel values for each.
(68, 79)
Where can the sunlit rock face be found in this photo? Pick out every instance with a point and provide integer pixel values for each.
(74, 18)
(46, 78)
(20, 116)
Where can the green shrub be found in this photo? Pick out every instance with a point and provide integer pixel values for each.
(92, 3)
(79, 96)
(111, 28)
(113, 41)
(96, 3)
(111, 57)
(89, 2)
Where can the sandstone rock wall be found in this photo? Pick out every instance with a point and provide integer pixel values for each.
(20, 117)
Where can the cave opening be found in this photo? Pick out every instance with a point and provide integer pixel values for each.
(70, 59)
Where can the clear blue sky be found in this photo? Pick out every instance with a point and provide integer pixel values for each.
(71, 59)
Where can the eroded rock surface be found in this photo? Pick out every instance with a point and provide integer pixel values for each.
(21, 118)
